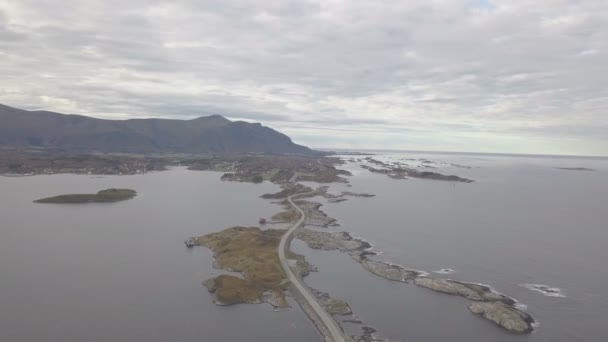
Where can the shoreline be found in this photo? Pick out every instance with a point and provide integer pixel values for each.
(484, 300)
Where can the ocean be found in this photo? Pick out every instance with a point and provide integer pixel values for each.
(121, 272)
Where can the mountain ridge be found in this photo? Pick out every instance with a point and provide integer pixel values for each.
(205, 134)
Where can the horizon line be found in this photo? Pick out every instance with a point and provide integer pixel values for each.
(497, 154)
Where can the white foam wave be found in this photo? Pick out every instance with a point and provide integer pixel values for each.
(444, 271)
(546, 290)
(520, 306)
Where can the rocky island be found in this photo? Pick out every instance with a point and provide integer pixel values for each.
(103, 196)
(400, 172)
(504, 315)
(486, 302)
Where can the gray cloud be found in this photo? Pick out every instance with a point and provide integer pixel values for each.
(426, 73)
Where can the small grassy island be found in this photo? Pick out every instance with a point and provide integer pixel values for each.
(253, 253)
(103, 196)
(575, 169)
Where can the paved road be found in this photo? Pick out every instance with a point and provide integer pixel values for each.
(294, 177)
(330, 323)
(320, 164)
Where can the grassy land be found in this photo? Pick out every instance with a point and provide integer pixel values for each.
(269, 175)
(290, 215)
(252, 252)
(103, 196)
(234, 290)
(287, 190)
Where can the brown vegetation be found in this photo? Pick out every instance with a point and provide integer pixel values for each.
(252, 252)
(287, 216)
(287, 191)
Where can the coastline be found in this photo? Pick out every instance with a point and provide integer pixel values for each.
(353, 218)
(484, 300)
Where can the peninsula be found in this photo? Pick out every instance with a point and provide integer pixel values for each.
(269, 269)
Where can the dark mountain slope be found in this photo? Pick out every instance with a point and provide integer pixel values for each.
(211, 134)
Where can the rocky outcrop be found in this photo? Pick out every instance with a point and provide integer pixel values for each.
(357, 194)
(314, 215)
(446, 286)
(303, 267)
(369, 335)
(275, 299)
(191, 242)
(357, 249)
(401, 172)
(331, 305)
(330, 241)
(467, 290)
(489, 304)
(504, 315)
(389, 271)
(499, 309)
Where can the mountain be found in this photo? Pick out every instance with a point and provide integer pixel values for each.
(210, 134)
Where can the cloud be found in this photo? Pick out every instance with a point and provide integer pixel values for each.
(393, 74)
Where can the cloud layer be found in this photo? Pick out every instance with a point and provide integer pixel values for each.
(494, 76)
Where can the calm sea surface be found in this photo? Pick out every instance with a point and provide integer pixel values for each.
(120, 272)
(522, 221)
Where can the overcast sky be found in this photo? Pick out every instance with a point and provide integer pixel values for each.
(526, 76)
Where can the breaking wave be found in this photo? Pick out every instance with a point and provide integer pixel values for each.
(546, 290)
(444, 271)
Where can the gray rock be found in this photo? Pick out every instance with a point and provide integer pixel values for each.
(470, 291)
(330, 241)
(449, 287)
(504, 315)
(275, 299)
(331, 305)
(389, 271)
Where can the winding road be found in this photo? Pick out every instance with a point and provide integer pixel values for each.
(334, 329)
